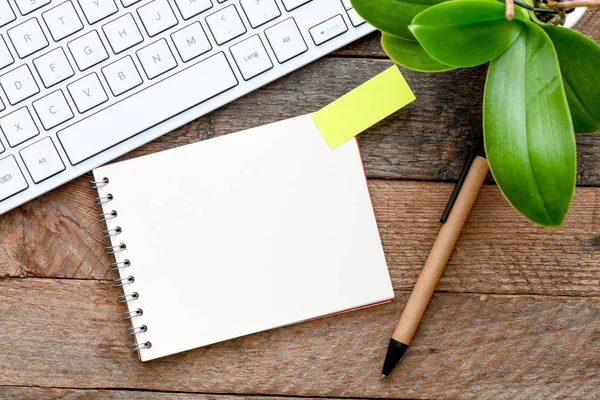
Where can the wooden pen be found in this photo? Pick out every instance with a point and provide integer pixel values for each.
(453, 219)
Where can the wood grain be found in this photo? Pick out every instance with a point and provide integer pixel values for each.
(67, 333)
(37, 393)
(499, 251)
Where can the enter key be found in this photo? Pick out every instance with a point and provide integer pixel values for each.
(327, 30)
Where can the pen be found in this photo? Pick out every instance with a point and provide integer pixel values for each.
(454, 217)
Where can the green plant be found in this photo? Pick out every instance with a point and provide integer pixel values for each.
(542, 87)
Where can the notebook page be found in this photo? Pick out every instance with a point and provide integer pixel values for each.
(242, 233)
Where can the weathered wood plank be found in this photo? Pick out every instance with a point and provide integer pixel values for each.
(68, 333)
(39, 393)
(498, 252)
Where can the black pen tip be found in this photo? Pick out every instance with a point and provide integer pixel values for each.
(395, 352)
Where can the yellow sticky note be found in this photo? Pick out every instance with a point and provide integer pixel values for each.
(363, 107)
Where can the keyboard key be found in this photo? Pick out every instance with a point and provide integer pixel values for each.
(347, 5)
(27, 6)
(96, 10)
(156, 59)
(5, 57)
(12, 180)
(2, 106)
(87, 50)
(53, 67)
(6, 13)
(191, 41)
(157, 16)
(327, 30)
(1, 148)
(53, 109)
(286, 40)
(18, 127)
(260, 12)
(127, 3)
(291, 4)
(122, 76)
(19, 84)
(191, 8)
(356, 19)
(122, 33)
(42, 160)
(28, 37)
(87, 92)
(251, 57)
(141, 111)
(62, 21)
(226, 24)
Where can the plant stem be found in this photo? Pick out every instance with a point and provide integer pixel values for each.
(510, 10)
(574, 3)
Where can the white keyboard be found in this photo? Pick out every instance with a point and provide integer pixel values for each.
(85, 81)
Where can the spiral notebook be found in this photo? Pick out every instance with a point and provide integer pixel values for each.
(239, 234)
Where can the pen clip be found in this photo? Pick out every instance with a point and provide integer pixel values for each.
(476, 150)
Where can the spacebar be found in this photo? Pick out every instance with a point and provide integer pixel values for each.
(147, 108)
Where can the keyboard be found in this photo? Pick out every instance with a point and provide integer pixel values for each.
(85, 81)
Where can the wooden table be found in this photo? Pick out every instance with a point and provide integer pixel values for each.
(516, 314)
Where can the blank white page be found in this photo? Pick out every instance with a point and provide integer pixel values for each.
(242, 233)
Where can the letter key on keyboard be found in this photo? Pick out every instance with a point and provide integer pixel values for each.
(122, 33)
(191, 41)
(18, 126)
(96, 10)
(122, 75)
(191, 8)
(27, 37)
(53, 109)
(157, 16)
(87, 50)
(142, 111)
(19, 84)
(62, 21)
(87, 92)
(156, 59)
(53, 67)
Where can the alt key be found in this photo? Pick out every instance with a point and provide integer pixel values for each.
(42, 160)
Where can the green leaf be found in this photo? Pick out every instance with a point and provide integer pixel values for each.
(466, 33)
(529, 138)
(579, 59)
(392, 16)
(410, 54)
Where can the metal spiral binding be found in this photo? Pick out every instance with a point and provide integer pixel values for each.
(125, 298)
(124, 281)
(103, 200)
(112, 232)
(107, 216)
(135, 313)
(118, 265)
(137, 329)
(97, 184)
(139, 346)
(114, 249)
